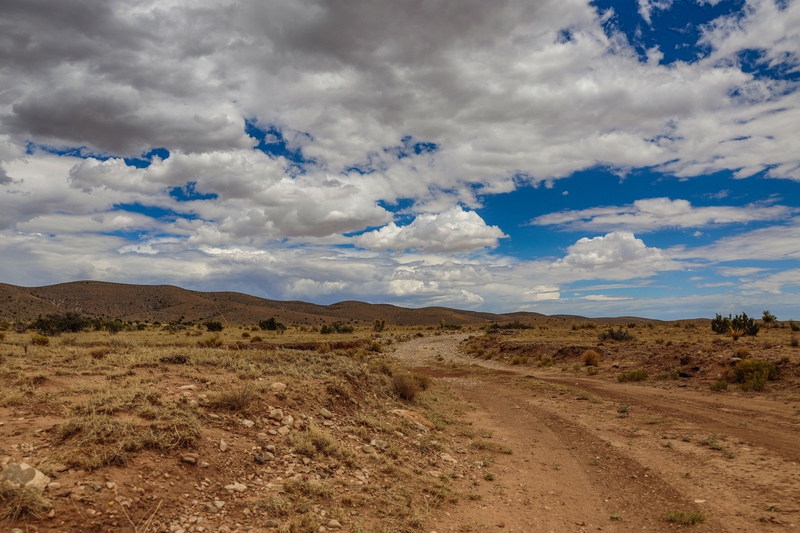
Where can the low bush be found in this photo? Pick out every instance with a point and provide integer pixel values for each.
(39, 340)
(617, 335)
(213, 326)
(635, 375)
(591, 358)
(742, 352)
(753, 374)
(686, 518)
(519, 360)
(794, 341)
(718, 386)
(22, 503)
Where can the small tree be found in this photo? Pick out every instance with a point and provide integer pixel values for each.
(768, 319)
(378, 325)
(271, 325)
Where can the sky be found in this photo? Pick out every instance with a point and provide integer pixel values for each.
(600, 158)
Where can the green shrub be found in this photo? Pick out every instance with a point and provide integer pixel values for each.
(617, 335)
(794, 341)
(720, 385)
(753, 374)
(271, 325)
(794, 326)
(740, 323)
(635, 375)
(686, 518)
(336, 327)
(213, 326)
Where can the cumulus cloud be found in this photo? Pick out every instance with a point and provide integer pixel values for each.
(617, 255)
(654, 214)
(454, 230)
(773, 243)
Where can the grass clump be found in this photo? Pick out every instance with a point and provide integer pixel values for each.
(590, 358)
(405, 386)
(635, 375)
(22, 503)
(210, 342)
(686, 518)
(238, 399)
(718, 386)
(39, 340)
(315, 441)
(741, 352)
(98, 440)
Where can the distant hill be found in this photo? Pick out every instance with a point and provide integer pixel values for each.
(165, 303)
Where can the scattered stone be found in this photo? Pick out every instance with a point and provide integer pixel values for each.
(219, 504)
(55, 485)
(434, 473)
(238, 487)
(277, 387)
(501, 524)
(334, 524)
(448, 458)
(60, 468)
(324, 413)
(283, 430)
(188, 387)
(276, 414)
(248, 423)
(270, 448)
(272, 432)
(380, 444)
(223, 446)
(272, 523)
(303, 509)
(190, 458)
(367, 448)
(204, 465)
(25, 476)
(287, 420)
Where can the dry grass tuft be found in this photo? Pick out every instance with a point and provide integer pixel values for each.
(239, 399)
(591, 358)
(22, 503)
(405, 386)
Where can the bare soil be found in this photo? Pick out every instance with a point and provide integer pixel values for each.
(592, 454)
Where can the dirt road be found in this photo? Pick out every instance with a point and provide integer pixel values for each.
(591, 454)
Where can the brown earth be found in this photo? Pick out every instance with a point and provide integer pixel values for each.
(592, 454)
(525, 439)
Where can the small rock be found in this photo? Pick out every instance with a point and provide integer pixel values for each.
(334, 524)
(25, 476)
(190, 458)
(267, 456)
(501, 524)
(283, 430)
(276, 414)
(272, 432)
(248, 423)
(412, 416)
(380, 444)
(277, 387)
(324, 413)
(303, 509)
(223, 446)
(53, 486)
(448, 458)
(270, 448)
(219, 504)
(238, 487)
(60, 468)
(287, 420)
(204, 464)
(187, 387)
(272, 523)
(367, 448)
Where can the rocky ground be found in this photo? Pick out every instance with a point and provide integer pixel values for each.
(139, 437)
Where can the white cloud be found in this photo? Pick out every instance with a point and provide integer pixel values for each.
(616, 251)
(646, 8)
(654, 214)
(454, 230)
(774, 243)
(604, 298)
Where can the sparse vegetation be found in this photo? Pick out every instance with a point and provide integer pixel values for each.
(22, 503)
(719, 385)
(405, 386)
(753, 374)
(591, 358)
(741, 325)
(686, 518)
(634, 375)
(213, 326)
(616, 335)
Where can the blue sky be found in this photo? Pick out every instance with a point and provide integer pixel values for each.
(600, 158)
